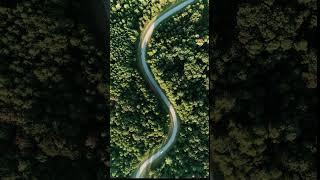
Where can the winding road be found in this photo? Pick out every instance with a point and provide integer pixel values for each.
(142, 49)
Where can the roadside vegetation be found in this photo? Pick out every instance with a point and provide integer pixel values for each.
(263, 81)
(178, 55)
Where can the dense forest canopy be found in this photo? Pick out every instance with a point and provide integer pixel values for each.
(263, 91)
(178, 56)
(53, 94)
(54, 89)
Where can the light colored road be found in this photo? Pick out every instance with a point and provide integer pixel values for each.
(174, 124)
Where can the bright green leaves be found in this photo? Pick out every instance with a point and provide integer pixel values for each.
(118, 6)
(168, 161)
(180, 61)
(178, 57)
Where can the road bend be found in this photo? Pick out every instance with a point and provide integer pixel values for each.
(142, 49)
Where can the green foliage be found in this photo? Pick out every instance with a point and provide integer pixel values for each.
(264, 93)
(178, 58)
(52, 95)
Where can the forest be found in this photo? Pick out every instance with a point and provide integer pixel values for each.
(179, 60)
(263, 80)
(54, 89)
(53, 93)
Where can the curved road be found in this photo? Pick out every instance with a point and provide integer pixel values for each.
(174, 127)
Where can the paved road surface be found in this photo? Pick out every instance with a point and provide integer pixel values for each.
(174, 124)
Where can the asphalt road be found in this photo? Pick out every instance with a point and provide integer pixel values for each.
(142, 49)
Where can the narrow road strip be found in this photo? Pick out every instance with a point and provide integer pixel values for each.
(174, 124)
